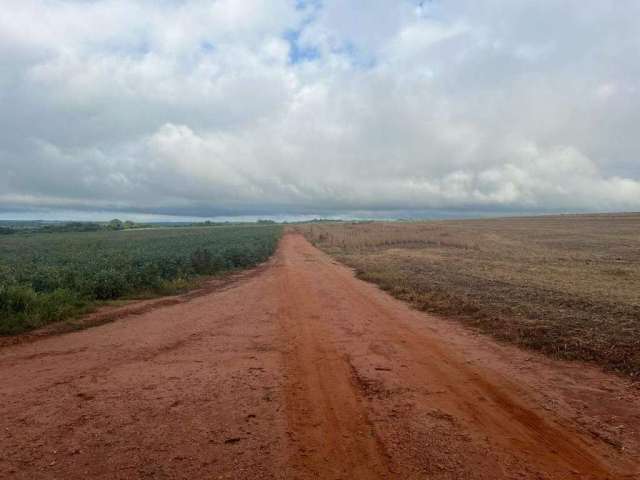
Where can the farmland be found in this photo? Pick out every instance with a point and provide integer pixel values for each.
(568, 286)
(299, 370)
(47, 277)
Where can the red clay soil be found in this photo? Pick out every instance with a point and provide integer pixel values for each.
(301, 371)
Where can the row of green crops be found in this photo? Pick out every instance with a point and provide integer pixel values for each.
(49, 277)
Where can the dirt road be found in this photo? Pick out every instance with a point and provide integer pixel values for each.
(300, 371)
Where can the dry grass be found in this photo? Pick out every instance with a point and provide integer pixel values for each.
(567, 285)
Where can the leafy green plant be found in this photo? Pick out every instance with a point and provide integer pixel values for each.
(47, 277)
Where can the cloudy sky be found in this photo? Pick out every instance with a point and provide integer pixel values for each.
(329, 107)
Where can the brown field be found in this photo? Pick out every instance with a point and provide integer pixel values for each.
(568, 286)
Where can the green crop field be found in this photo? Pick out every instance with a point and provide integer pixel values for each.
(47, 277)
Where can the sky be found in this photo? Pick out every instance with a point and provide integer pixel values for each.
(294, 109)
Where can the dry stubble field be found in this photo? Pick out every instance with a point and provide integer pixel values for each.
(568, 285)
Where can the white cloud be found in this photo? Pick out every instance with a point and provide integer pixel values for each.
(205, 107)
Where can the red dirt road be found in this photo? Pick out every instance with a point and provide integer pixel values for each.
(301, 371)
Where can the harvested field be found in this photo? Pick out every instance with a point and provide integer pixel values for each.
(568, 286)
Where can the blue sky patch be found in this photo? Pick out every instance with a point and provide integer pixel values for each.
(299, 53)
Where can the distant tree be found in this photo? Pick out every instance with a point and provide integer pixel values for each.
(115, 224)
(70, 227)
(129, 224)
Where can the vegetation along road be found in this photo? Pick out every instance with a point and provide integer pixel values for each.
(298, 370)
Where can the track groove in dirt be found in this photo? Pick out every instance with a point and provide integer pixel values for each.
(300, 371)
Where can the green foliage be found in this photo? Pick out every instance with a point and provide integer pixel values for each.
(7, 228)
(201, 261)
(115, 224)
(22, 308)
(69, 227)
(45, 278)
(177, 285)
(107, 284)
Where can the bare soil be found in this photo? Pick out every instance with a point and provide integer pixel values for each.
(301, 371)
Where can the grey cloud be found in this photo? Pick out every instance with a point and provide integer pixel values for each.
(195, 108)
